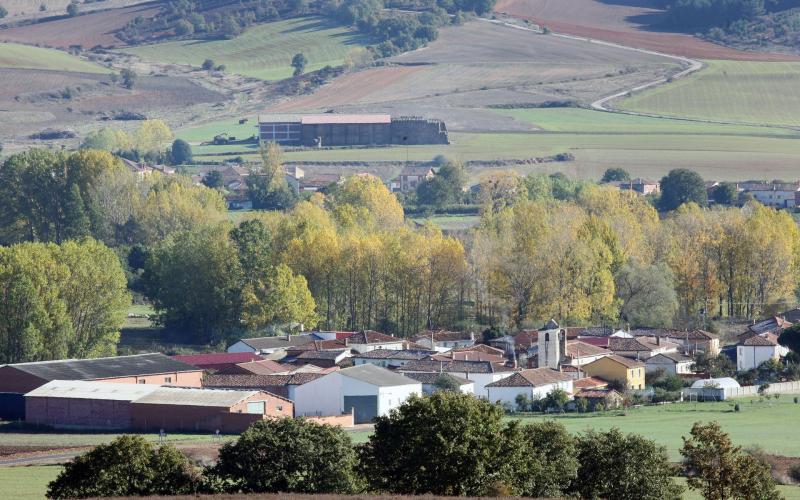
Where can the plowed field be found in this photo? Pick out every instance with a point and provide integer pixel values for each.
(632, 23)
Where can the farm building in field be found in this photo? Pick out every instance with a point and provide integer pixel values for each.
(150, 369)
(100, 405)
(332, 129)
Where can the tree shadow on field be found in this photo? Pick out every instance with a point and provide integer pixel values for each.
(654, 19)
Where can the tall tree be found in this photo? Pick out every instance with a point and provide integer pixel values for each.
(615, 175)
(682, 186)
(299, 62)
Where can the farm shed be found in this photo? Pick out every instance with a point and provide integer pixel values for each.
(332, 129)
(366, 390)
(173, 408)
(155, 369)
(80, 404)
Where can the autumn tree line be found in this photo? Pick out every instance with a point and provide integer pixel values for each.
(546, 246)
(448, 444)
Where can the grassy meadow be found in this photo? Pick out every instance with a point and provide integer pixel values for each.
(750, 92)
(264, 51)
(27, 483)
(18, 56)
(647, 147)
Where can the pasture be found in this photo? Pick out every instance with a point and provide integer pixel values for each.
(27, 483)
(17, 56)
(264, 51)
(647, 147)
(666, 424)
(750, 92)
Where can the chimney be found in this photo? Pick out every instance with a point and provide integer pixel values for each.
(658, 340)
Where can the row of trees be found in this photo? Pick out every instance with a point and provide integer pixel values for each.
(60, 301)
(446, 444)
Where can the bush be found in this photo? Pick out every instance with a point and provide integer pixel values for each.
(287, 455)
(128, 466)
(615, 465)
(446, 444)
(794, 473)
(736, 407)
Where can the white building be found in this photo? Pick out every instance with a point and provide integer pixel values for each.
(671, 362)
(393, 358)
(429, 382)
(368, 390)
(442, 341)
(369, 340)
(481, 373)
(754, 350)
(533, 384)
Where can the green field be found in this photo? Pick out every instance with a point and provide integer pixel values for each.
(206, 133)
(27, 483)
(750, 92)
(13, 55)
(450, 222)
(666, 424)
(647, 147)
(264, 51)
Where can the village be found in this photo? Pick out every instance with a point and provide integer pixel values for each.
(350, 378)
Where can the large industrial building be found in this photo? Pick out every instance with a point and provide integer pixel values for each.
(332, 129)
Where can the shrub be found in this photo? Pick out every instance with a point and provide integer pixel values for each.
(130, 466)
(736, 407)
(303, 457)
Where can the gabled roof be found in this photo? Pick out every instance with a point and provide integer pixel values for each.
(376, 375)
(277, 342)
(480, 348)
(411, 354)
(577, 348)
(595, 393)
(217, 358)
(319, 345)
(416, 171)
(626, 362)
(194, 397)
(535, 377)
(327, 355)
(469, 356)
(672, 356)
(430, 378)
(333, 118)
(454, 367)
(371, 337)
(104, 368)
(444, 336)
(261, 367)
(770, 325)
(673, 334)
(259, 381)
(623, 344)
(766, 340)
(589, 383)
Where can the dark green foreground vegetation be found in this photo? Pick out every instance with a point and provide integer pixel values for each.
(445, 444)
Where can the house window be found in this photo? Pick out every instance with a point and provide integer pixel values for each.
(142, 381)
(167, 380)
(279, 407)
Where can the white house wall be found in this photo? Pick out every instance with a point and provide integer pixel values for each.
(393, 396)
(749, 357)
(240, 347)
(509, 394)
(320, 397)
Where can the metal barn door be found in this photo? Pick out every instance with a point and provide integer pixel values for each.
(365, 408)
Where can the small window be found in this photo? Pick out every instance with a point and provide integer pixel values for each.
(279, 407)
(167, 380)
(141, 381)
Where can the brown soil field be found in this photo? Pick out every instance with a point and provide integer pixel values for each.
(625, 22)
(480, 64)
(87, 30)
(29, 101)
(29, 9)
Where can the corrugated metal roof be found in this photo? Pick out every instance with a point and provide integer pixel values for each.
(376, 375)
(216, 358)
(194, 397)
(101, 368)
(79, 389)
(278, 118)
(331, 118)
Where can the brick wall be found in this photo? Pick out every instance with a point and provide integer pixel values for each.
(345, 420)
(78, 413)
(17, 381)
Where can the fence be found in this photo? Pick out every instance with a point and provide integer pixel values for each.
(721, 394)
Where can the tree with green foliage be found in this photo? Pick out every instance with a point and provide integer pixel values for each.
(446, 444)
(552, 467)
(267, 187)
(682, 186)
(181, 152)
(623, 467)
(128, 78)
(287, 455)
(127, 466)
(726, 194)
(299, 63)
(647, 295)
(720, 470)
(3, 12)
(616, 175)
(444, 382)
(280, 297)
(790, 338)
(444, 188)
(208, 64)
(213, 180)
(194, 279)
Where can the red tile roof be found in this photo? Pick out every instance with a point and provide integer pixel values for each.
(480, 348)
(532, 378)
(371, 337)
(589, 383)
(261, 367)
(217, 358)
